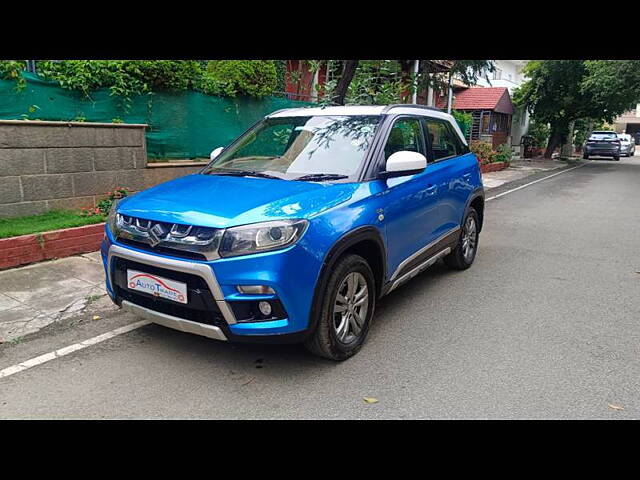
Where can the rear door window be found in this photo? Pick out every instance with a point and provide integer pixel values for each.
(444, 143)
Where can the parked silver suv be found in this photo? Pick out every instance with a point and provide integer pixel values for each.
(627, 144)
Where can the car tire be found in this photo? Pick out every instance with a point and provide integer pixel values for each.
(617, 158)
(464, 253)
(585, 156)
(329, 340)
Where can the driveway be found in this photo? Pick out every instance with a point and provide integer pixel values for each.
(544, 325)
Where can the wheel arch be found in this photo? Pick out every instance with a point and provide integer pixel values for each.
(476, 200)
(365, 241)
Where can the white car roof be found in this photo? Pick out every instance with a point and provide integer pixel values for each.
(370, 110)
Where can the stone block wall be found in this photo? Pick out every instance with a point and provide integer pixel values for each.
(68, 165)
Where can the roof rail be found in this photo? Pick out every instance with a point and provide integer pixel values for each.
(281, 110)
(410, 105)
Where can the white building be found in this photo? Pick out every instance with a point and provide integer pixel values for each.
(629, 122)
(508, 73)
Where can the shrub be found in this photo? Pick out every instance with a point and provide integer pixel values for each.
(256, 78)
(483, 151)
(539, 133)
(126, 78)
(486, 154)
(464, 120)
(105, 204)
(12, 70)
(503, 154)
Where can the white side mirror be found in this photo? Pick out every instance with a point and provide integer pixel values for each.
(215, 153)
(406, 161)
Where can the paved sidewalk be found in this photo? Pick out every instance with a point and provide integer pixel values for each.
(35, 296)
(519, 169)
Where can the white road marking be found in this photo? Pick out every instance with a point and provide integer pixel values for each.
(47, 357)
(531, 183)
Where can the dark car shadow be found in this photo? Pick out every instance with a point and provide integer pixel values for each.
(278, 361)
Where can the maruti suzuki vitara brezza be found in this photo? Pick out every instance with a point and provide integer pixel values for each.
(293, 231)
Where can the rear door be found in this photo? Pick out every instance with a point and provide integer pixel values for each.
(453, 169)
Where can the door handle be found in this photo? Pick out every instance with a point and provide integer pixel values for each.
(467, 176)
(431, 189)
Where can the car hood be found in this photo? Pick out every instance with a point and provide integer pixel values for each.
(224, 201)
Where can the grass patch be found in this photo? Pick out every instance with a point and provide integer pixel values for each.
(52, 220)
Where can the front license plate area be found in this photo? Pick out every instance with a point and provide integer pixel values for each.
(157, 286)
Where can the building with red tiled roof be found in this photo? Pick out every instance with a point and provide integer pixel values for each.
(491, 109)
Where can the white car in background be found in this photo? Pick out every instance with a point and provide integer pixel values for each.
(627, 144)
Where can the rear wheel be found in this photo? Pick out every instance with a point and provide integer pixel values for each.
(346, 312)
(464, 253)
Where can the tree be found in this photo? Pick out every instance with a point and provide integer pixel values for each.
(559, 92)
(348, 71)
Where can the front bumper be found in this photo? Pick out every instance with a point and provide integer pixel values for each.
(291, 273)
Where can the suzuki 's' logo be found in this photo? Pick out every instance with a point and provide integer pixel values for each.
(156, 234)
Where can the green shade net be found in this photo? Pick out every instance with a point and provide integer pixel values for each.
(184, 124)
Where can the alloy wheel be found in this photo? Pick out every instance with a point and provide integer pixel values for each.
(469, 239)
(350, 307)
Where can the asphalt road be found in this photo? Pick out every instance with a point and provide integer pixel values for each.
(546, 324)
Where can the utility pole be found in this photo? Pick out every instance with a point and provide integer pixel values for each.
(450, 96)
(416, 68)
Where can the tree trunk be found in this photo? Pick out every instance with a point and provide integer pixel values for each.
(348, 71)
(566, 151)
(555, 139)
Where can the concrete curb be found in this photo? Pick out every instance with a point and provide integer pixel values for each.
(16, 251)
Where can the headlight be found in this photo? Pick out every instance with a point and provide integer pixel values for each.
(261, 237)
(111, 217)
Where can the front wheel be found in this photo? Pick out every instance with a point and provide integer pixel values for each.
(617, 158)
(585, 156)
(464, 253)
(346, 311)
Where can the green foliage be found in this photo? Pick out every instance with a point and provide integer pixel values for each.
(470, 70)
(486, 154)
(377, 82)
(52, 220)
(126, 78)
(613, 87)
(503, 153)
(483, 150)
(105, 204)
(465, 120)
(123, 78)
(12, 70)
(256, 78)
(539, 132)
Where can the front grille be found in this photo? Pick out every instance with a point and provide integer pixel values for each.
(180, 240)
(200, 307)
(166, 250)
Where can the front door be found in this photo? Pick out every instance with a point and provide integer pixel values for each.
(411, 201)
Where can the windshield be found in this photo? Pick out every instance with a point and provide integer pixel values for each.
(603, 136)
(294, 147)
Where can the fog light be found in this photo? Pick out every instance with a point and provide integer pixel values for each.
(256, 289)
(265, 308)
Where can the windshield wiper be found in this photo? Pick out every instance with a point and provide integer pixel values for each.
(244, 173)
(312, 177)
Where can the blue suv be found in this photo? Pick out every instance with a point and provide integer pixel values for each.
(293, 231)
